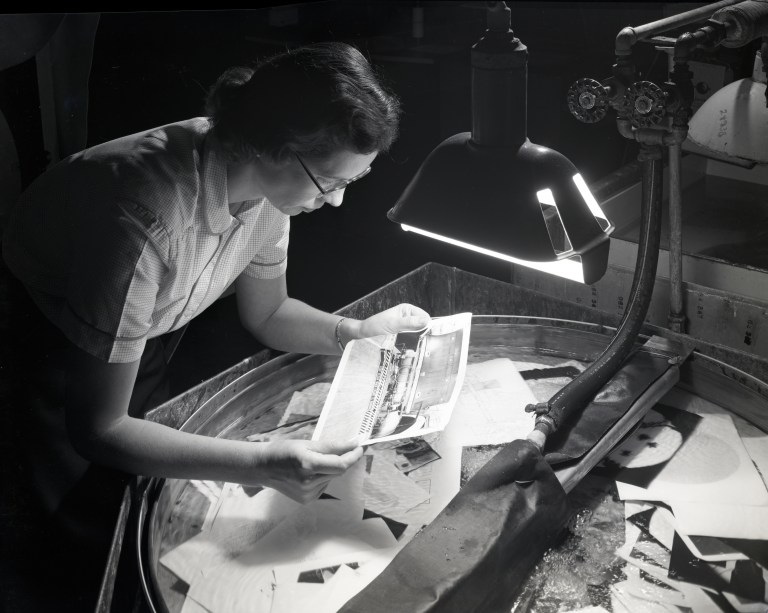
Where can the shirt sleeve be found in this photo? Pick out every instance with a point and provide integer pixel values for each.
(113, 285)
(271, 259)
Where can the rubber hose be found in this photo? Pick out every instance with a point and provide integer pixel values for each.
(571, 399)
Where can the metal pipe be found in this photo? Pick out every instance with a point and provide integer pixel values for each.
(499, 83)
(683, 79)
(626, 39)
(676, 313)
(649, 136)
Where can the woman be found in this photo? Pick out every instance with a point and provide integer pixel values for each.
(129, 240)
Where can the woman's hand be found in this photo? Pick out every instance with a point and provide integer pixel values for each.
(400, 318)
(303, 469)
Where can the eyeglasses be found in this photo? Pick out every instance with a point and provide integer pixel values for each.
(336, 186)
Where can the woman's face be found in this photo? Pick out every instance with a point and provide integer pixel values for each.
(289, 186)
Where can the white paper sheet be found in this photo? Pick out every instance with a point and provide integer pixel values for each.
(645, 590)
(292, 598)
(757, 448)
(632, 507)
(631, 534)
(288, 574)
(239, 523)
(723, 520)
(322, 529)
(306, 403)
(490, 409)
(342, 586)
(720, 551)
(694, 595)
(388, 491)
(348, 584)
(192, 606)
(741, 605)
(712, 465)
(349, 488)
(662, 526)
(754, 439)
(440, 479)
(244, 591)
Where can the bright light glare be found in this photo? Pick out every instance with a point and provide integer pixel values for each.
(589, 198)
(546, 196)
(569, 268)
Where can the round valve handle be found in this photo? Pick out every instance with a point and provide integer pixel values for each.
(646, 102)
(587, 100)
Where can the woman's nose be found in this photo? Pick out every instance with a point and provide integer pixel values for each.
(335, 198)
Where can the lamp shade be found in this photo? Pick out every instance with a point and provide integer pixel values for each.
(732, 124)
(525, 204)
(493, 191)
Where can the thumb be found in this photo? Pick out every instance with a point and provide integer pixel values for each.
(414, 323)
(335, 447)
(413, 318)
(335, 457)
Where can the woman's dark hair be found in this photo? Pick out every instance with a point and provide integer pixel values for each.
(313, 100)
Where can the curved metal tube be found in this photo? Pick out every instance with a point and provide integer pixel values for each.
(571, 399)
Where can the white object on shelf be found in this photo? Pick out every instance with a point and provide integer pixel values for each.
(734, 120)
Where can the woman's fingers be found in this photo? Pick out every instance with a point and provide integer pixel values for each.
(412, 318)
(331, 457)
(302, 470)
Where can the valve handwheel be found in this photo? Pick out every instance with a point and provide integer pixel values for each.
(646, 102)
(587, 100)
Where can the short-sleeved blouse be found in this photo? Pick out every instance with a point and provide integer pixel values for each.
(132, 238)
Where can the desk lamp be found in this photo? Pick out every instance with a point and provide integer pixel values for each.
(493, 191)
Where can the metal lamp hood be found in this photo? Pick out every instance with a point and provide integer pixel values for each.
(494, 191)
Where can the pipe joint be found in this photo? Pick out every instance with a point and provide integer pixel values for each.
(677, 134)
(684, 44)
(624, 70)
(676, 322)
(707, 36)
(614, 89)
(652, 137)
(649, 151)
(545, 424)
(625, 40)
